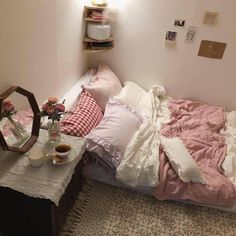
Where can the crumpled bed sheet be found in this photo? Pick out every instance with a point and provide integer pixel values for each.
(143, 165)
(198, 126)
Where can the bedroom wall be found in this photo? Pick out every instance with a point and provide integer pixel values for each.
(139, 54)
(41, 45)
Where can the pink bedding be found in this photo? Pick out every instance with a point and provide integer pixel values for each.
(197, 125)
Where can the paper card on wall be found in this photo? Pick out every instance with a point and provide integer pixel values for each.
(179, 22)
(170, 38)
(190, 34)
(210, 18)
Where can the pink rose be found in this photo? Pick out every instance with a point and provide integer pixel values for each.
(45, 107)
(50, 110)
(8, 106)
(60, 108)
(53, 100)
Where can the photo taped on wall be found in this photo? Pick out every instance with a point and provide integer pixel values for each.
(171, 35)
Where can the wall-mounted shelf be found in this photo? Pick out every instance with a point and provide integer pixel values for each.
(86, 39)
(97, 15)
(104, 20)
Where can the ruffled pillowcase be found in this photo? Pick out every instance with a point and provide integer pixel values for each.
(111, 137)
(135, 97)
(104, 85)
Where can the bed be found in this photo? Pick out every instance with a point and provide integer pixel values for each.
(173, 149)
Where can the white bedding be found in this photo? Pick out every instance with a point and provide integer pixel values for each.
(229, 133)
(140, 164)
(147, 166)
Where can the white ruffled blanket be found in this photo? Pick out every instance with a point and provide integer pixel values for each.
(229, 133)
(140, 164)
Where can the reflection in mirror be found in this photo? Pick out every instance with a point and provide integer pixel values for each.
(16, 120)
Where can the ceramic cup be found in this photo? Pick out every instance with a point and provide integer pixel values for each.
(63, 149)
(36, 156)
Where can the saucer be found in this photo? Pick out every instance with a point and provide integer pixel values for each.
(57, 160)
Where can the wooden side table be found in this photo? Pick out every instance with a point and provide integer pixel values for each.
(21, 215)
(35, 201)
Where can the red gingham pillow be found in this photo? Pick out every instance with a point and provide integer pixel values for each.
(86, 116)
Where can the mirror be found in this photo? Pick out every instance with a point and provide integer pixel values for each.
(19, 120)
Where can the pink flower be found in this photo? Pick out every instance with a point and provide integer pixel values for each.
(50, 110)
(60, 108)
(45, 107)
(53, 100)
(8, 106)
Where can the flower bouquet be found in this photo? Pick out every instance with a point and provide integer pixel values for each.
(7, 113)
(53, 111)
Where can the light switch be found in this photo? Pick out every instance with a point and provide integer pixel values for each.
(212, 49)
(210, 18)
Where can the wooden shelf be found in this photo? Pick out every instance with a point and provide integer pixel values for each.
(87, 39)
(95, 8)
(98, 50)
(97, 20)
(92, 45)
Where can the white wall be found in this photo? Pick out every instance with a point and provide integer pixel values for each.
(140, 56)
(41, 45)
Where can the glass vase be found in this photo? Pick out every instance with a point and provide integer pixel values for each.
(54, 131)
(17, 130)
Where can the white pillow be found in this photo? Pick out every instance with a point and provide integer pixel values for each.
(136, 98)
(181, 160)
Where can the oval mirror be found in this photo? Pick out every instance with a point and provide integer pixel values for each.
(19, 120)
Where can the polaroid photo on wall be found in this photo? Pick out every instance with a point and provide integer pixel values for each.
(170, 38)
(171, 35)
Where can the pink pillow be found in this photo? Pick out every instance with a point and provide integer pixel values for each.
(104, 84)
(86, 116)
(114, 132)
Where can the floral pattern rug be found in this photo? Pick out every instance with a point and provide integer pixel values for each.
(106, 210)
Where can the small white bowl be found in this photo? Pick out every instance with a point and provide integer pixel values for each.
(63, 150)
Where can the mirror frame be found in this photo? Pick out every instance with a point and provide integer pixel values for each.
(36, 120)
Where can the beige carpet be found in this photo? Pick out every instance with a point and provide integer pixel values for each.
(104, 210)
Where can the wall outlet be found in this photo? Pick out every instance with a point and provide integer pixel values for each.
(212, 49)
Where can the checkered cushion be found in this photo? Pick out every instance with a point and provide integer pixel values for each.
(86, 116)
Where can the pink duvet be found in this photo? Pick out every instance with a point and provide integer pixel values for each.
(197, 125)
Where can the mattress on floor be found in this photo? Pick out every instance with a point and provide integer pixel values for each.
(96, 171)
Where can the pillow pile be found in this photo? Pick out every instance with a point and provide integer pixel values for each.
(86, 116)
(104, 84)
(114, 132)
